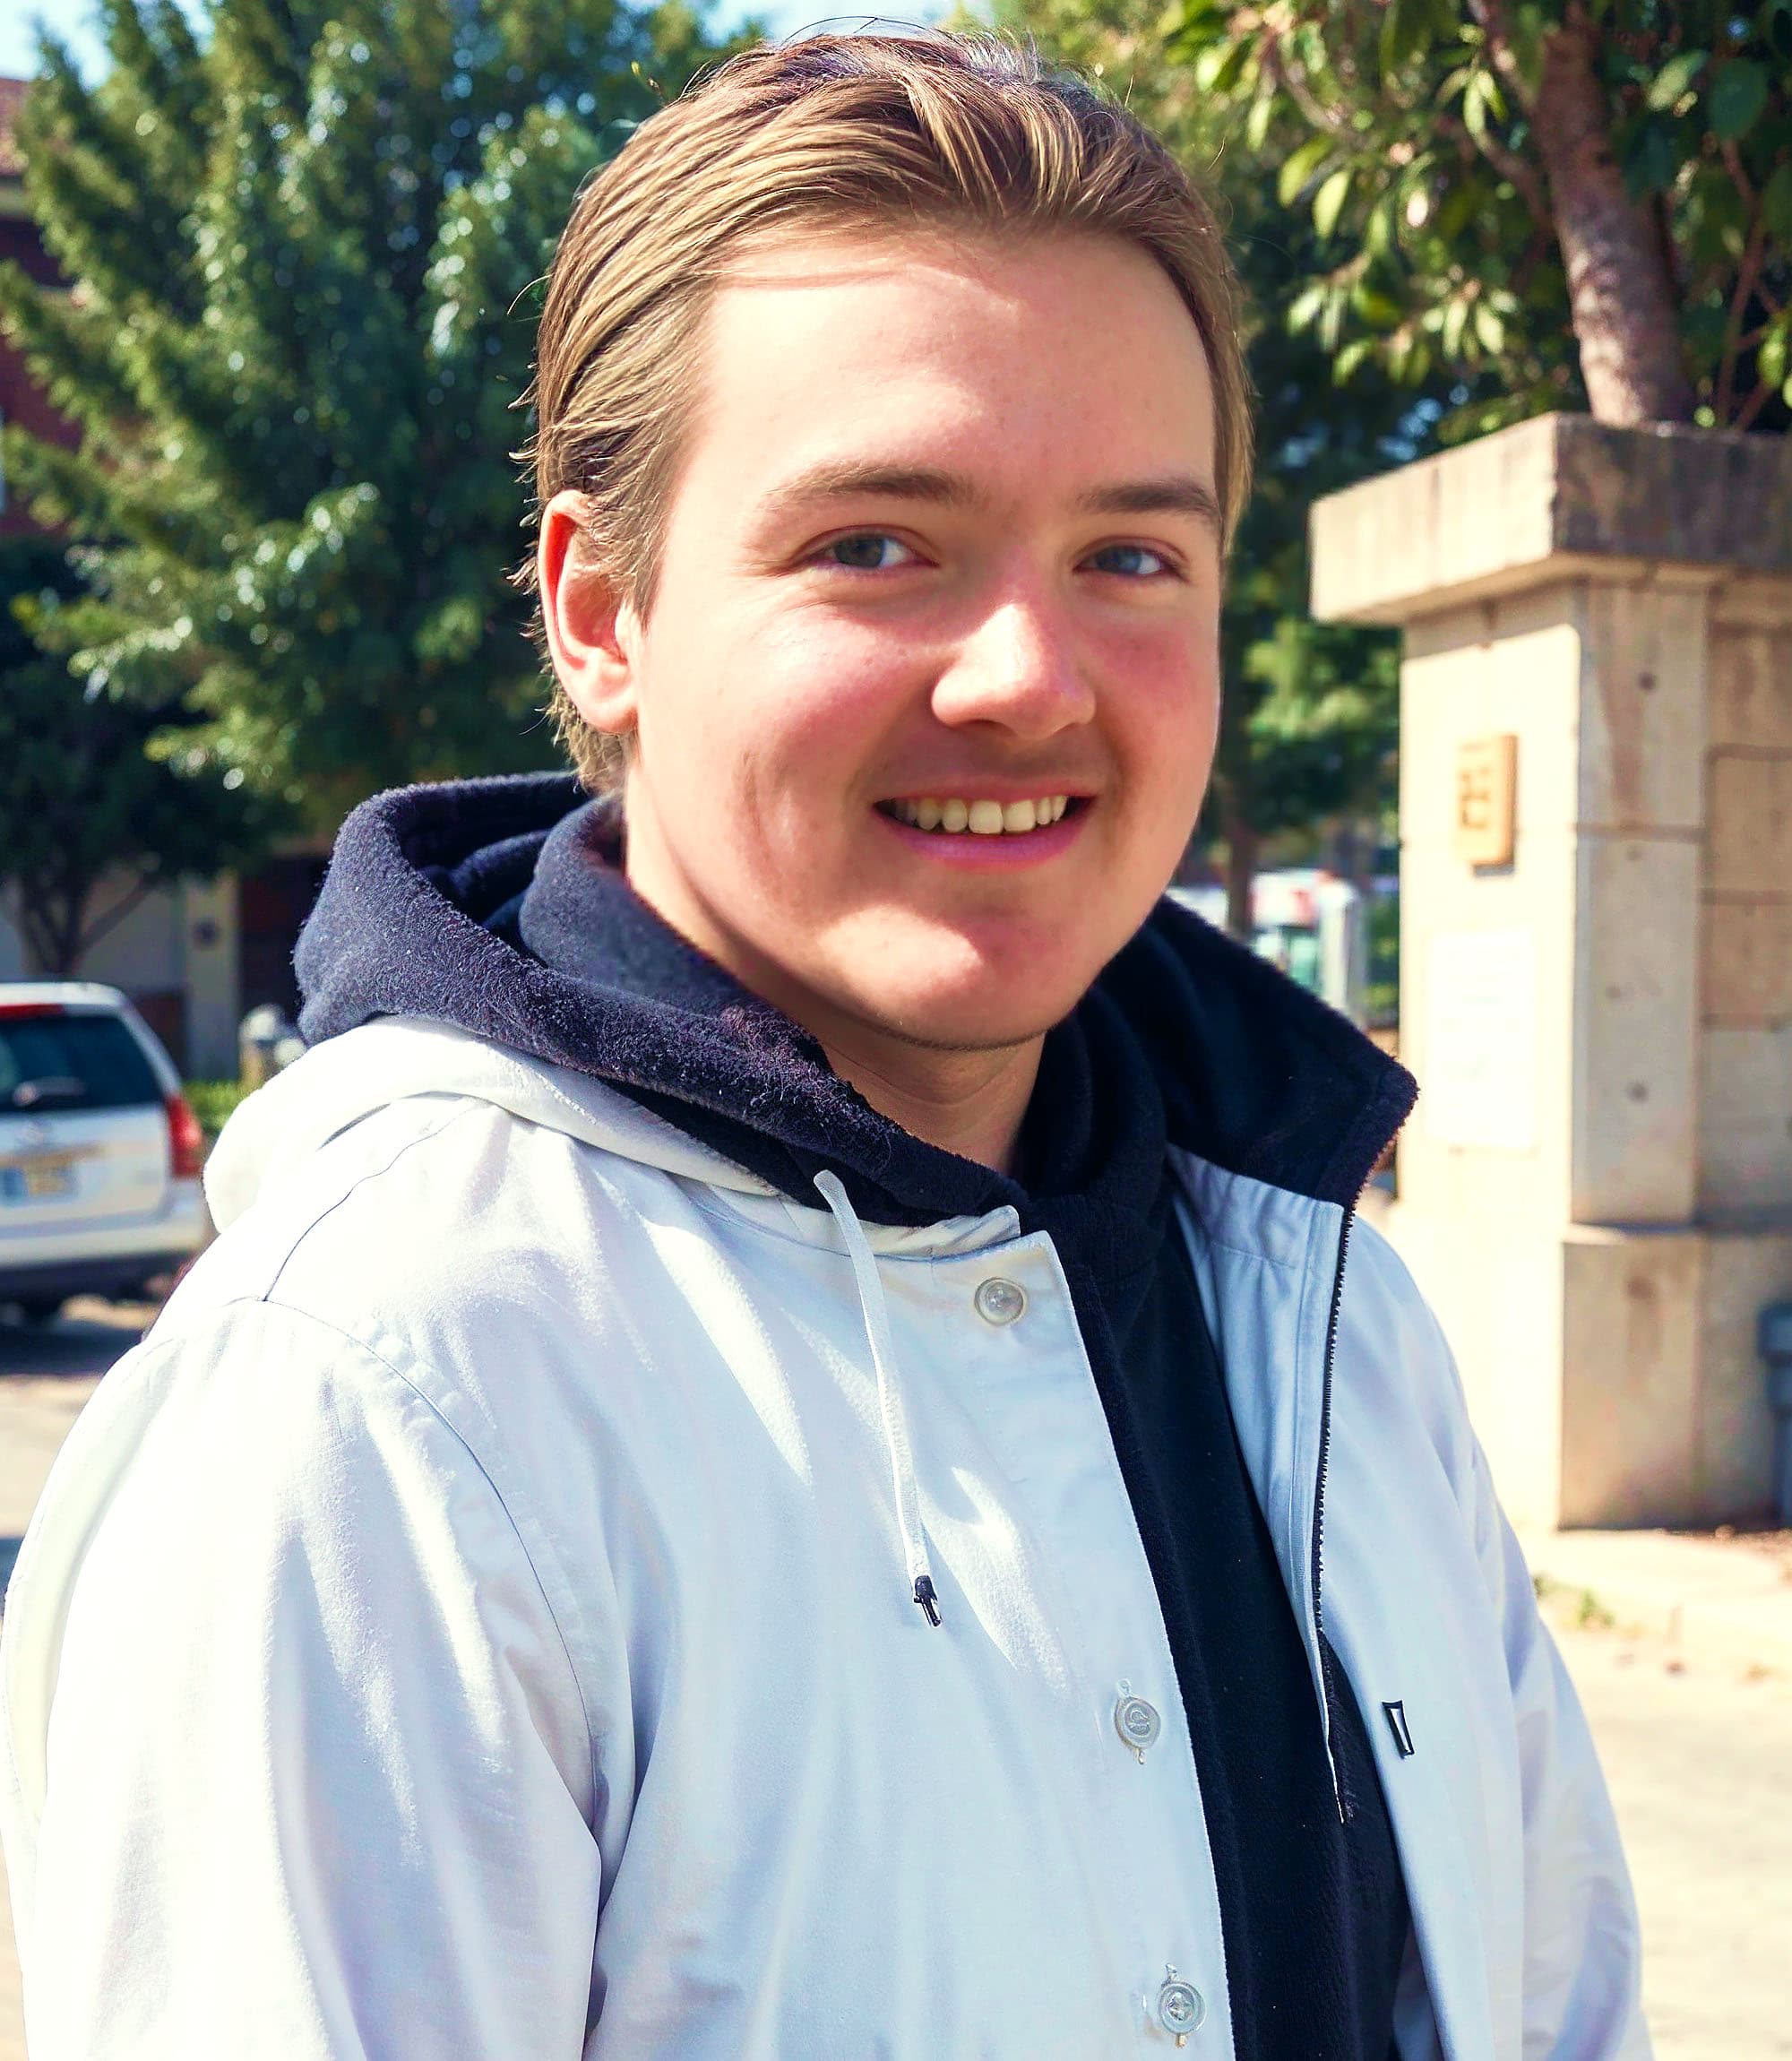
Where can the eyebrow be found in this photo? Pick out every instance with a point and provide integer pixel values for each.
(1174, 494)
(1168, 494)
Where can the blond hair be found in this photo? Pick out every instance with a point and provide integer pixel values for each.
(917, 132)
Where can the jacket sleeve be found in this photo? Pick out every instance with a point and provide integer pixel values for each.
(1582, 1946)
(299, 1766)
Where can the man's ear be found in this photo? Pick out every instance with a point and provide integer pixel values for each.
(592, 633)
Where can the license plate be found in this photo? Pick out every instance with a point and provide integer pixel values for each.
(37, 1180)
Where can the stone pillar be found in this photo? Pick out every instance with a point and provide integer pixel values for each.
(1595, 1189)
(209, 968)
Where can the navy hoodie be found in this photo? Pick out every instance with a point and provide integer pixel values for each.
(500, 906)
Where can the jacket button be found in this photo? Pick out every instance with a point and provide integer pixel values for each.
(998, 1301)
(1136, 1722)
(1181, 2008)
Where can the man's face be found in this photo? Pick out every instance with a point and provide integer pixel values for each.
(942, 546)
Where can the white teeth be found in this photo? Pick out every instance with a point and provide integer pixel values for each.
(981, 818)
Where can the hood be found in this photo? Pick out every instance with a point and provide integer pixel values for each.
(498, 909)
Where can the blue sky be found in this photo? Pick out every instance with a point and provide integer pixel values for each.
(72, 20)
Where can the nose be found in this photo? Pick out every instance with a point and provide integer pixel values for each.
(1016, 667)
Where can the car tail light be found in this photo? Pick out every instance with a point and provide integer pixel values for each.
(13, 1011)
(187, 1141)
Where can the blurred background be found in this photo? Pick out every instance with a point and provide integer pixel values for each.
(1506, 770)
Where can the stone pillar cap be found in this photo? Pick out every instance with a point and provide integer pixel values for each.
(1559, 495)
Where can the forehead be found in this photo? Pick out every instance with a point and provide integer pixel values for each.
(1037, 361)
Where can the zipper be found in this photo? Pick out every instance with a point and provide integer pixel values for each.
(1344, 1811)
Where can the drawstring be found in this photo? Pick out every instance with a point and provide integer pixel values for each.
(877, 1314)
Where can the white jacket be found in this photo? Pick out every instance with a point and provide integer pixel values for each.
(478, 1622)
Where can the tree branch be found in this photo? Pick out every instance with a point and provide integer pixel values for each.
(1490, 17)
(85, 939)
(1524, 178)
(1754, 405)
(1316, 113)
(1753, 251)
(1526, 181)
(1733, 164)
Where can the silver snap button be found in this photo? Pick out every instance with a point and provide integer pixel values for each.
(1181, 2008)
(999, 1301)
(1136, 1722)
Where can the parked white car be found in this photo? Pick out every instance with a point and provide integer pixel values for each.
(99, 1152)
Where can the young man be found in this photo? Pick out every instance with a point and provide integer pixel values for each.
(780, 1457)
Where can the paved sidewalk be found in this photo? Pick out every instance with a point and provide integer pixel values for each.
(1723, 1600)
(1698, 1757)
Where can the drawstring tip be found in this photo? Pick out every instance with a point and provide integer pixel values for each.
(925, 1597)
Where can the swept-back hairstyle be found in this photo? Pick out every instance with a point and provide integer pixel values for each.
(937, 130)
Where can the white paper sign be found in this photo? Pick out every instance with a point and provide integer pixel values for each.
(1480, 1039)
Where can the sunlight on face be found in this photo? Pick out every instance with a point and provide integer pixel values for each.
(925, 702)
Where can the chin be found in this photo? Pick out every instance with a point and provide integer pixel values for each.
(957, 1021)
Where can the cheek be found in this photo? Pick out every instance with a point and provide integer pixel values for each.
(817, 703)
(762, 738)
(1166, 718)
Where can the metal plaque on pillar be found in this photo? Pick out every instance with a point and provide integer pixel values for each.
(1486, 791)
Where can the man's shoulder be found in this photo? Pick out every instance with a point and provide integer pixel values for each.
(438, 1213)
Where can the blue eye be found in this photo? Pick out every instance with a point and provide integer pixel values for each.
(1131, 561)
(872, 551)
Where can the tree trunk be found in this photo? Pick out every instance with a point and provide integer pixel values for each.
(1243, 846)
(51, 921)
(1620, 287)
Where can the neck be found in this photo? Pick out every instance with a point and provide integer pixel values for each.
(969, 1103)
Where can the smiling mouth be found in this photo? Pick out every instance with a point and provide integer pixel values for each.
(953, 817)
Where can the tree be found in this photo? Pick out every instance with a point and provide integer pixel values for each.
(1589, 199)
(93, 789)
(304, 245)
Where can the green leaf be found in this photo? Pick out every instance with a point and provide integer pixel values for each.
(1652, 160)
(1776, 204)
(1489, 330)
(1671, 82)
(1328, 202)
(1482, 102)
(1775, 355)
(1299, 167)
(1332, 321)
(1737, 97)
(1305, 305)
(1217, 67)
(1455, 322)
(1257, 121)
(1375, 306)
(1351, 357)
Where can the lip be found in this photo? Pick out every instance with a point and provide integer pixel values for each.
(1010, 852)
